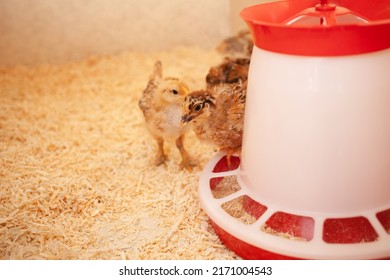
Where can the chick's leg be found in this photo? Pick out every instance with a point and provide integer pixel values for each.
(187, 162)
(229, 153)
(160, 157)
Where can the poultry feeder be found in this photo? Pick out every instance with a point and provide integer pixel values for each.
(313, 179)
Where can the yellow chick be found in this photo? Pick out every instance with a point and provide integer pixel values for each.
(217, 116)
(161, 104)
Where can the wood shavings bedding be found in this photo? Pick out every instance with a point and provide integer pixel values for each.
(76, 173)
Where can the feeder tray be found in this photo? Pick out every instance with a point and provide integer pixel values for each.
(255, 230)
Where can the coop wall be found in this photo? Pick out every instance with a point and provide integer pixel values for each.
(56, 31)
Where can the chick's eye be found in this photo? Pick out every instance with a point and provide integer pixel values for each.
(198, 107)
(174, 91)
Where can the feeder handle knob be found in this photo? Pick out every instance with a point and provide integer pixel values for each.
(325, 5)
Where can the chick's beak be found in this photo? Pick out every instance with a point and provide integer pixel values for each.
(185, 119)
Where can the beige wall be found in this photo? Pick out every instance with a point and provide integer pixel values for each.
(54, 31)
(236, 7)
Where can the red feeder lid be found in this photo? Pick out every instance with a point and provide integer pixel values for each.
(320, 27)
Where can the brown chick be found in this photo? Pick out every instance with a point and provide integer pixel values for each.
(161, 104)
(217, 116)
(240, 45)
(231, 70)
